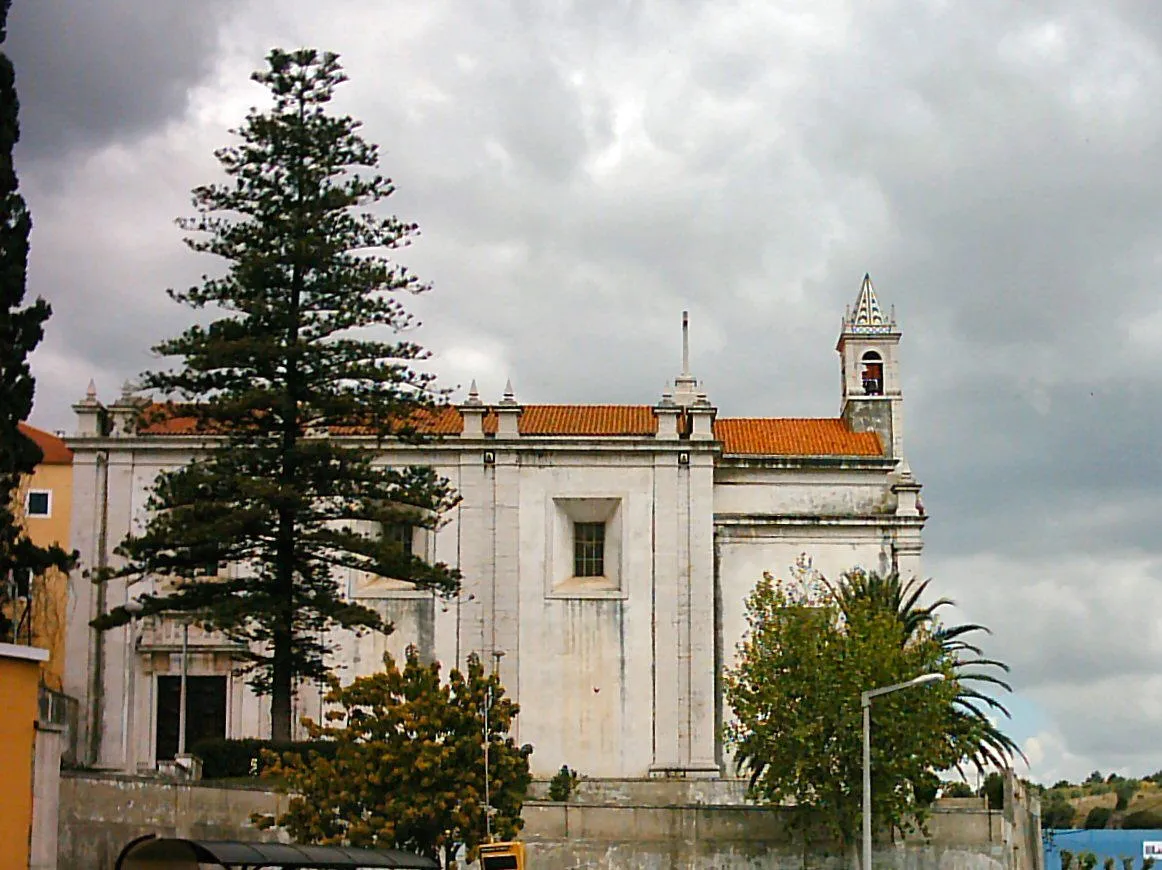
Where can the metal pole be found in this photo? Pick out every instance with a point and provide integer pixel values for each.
(182, 692)
(865, 700)
(487, 799)
(867, 831)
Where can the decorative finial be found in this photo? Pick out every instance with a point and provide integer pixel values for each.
(509, 397)
(91, 392)
(473, 394)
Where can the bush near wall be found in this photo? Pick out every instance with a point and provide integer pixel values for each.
(223, 759)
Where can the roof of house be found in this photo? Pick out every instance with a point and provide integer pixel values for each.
(55, 451)
(764, 436)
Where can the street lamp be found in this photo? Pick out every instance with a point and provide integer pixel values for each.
(497, 655)
(865, 700)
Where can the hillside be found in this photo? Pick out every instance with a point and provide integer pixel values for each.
(1086, 797)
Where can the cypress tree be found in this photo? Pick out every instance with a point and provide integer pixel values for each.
(298, 378)
(21, 330)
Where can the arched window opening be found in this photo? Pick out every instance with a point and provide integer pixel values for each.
(873, 373)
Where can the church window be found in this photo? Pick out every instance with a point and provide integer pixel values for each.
(588, 549)
(401, 534)
(873, 374)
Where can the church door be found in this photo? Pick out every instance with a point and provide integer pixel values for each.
(205, 712)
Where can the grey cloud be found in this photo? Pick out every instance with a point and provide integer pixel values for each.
(92, 73)
(994, 166)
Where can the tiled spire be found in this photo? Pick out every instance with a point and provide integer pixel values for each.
(867, 315)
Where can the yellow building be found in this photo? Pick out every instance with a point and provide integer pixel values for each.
(19, 675)
(47, 503)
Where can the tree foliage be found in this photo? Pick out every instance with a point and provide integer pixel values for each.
(298, 376)
(1057, 812)
(1097, 817)
(956, 789)
(980, 741)
(408, 770)
(795, 693)
(993, 790)
(21, 330)
(1124, 792)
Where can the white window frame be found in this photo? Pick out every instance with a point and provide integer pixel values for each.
(28, 499)
(564, 513)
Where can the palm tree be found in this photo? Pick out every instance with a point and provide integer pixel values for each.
(973, 731)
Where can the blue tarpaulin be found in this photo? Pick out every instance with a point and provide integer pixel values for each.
(1103, 843)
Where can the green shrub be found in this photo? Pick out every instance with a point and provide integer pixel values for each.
(562, 784)
(956, 790)
(1143, 820)
(233, 758)
(994, 790)
(1098, 817)
(1125, 790)
(1087, 860)
(1058, 813)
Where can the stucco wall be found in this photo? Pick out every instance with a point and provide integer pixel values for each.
(99, 814)
(619, 680)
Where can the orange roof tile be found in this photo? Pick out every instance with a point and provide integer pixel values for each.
(794, 437)
(534, 420)
(753, 436)
(55, 451)
(588, 420)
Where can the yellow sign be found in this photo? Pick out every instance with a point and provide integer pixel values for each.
(502, 856)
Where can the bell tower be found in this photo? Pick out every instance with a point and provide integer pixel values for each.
(868, 348)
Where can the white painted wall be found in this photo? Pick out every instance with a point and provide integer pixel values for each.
(614, 682)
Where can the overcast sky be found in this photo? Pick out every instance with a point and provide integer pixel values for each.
(583, 171)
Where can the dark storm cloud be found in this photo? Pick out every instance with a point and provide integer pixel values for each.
(92, 73)
(584, 171)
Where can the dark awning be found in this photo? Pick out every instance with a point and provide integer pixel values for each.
(155, 852)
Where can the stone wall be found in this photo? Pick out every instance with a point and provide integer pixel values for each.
(100, 813)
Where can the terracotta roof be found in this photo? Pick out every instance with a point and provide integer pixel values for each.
(55, 451)
(586, 420)
(794, 437)
(746, 436)
(534, 420)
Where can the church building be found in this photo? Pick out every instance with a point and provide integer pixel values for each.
(606, 550)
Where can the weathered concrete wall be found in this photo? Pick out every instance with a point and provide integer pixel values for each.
(741, 838)
(100, 813)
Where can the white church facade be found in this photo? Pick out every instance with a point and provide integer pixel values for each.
(606, 552)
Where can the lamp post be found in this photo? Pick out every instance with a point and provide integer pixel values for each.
(865, 700)
(496, 657)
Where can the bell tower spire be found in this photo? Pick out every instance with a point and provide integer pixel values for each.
(869, 359)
